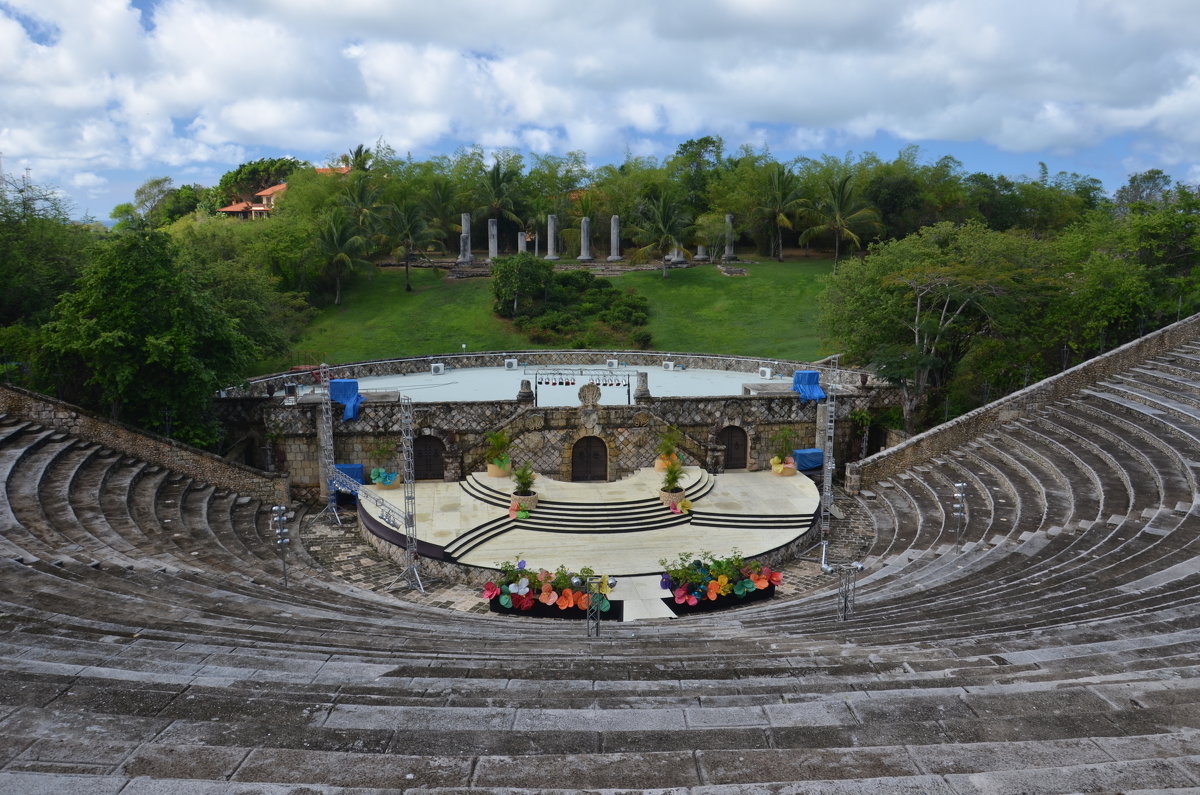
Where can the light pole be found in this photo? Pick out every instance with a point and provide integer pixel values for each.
(279, 517)
(960, 508)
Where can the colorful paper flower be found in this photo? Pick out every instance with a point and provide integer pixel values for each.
(545, 576)
(520, 587)
(505, 600)
(522, 514)
(682, 595)
(665, 582)
(718, 587)
(548, 596)
(581, 600)
(490, 590)
(743, 587)
(523, 602)
(603, 604)
(512, 510)
(566, 599)
(685, 505)
(674, 506)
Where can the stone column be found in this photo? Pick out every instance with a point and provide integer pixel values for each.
(521, 241)
(701, 253)
(614, 239)
(642, 391)
(493, 239)
(551, 237)
(585, 240)
(729, 255)
(464, 240)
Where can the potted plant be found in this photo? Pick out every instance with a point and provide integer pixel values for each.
(782, 463)
(384, 479)
(667, 448)
(524, 495)
(671, 492)
(498, 461)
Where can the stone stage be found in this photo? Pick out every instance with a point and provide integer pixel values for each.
(617, 528)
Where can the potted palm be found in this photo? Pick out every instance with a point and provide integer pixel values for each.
(782, 463)
(498, 461)
(524, 495)
(671, 492)
(667, 448)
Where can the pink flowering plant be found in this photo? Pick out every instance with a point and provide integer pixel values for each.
(520, 587)
(692, 580)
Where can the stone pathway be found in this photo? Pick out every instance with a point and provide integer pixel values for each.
(341, 551)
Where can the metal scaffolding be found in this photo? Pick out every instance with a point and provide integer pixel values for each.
(829, 463)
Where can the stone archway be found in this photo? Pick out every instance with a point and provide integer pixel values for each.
(589, 460)
(734, 440)
(429, 458)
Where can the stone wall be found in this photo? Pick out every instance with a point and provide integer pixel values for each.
(956, 432)
(544, 436)
(148, 447)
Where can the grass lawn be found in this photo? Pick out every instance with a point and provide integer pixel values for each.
(771, 312)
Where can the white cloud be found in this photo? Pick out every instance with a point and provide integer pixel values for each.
(89, 88)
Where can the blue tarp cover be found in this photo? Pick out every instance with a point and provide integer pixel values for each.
(809, 458)
(352, 471)
(806, 382)
(345, 391)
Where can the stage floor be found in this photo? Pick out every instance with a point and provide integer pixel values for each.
(445, 511)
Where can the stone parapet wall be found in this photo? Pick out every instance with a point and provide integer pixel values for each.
(148, 447)
(960, 430)
(544, 436)
(274, 383)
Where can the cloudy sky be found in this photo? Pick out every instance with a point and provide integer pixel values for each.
(98, 95)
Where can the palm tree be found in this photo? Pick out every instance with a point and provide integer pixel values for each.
(661, 226)
(842, 215)
(779, 203)
(364, 206)
(443, 211)
(340, 247)
(358, 159)
(496, 193)
(408, 234)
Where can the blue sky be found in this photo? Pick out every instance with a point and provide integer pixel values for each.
(99, 96)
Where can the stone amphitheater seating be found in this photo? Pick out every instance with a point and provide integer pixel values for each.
(1050, 646)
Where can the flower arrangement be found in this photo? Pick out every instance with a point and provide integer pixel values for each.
(694, 582)
(519, 588)
(518, 509)
(785, 466)
(382, 478)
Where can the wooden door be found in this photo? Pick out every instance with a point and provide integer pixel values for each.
(589, 459)
(429, 458)
(734, 439)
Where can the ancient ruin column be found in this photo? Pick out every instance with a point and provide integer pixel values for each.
(701, 253)
(642, 391)
(729, 255)
(614, 239)
(585, 239)
(551, 237)
(521, 241)
(464, 240)
(493, 239)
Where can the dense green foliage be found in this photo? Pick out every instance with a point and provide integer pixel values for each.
(959, 313)
(569, 308)
(971, 285)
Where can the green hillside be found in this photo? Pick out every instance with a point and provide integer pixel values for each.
(770, 312)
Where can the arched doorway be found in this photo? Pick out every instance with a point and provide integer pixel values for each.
(429, 458)
(734, 439)
(589, 459)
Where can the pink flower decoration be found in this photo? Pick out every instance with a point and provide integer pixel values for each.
(548, 595)
(545, 576)
(490, 590)
(682, 595)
